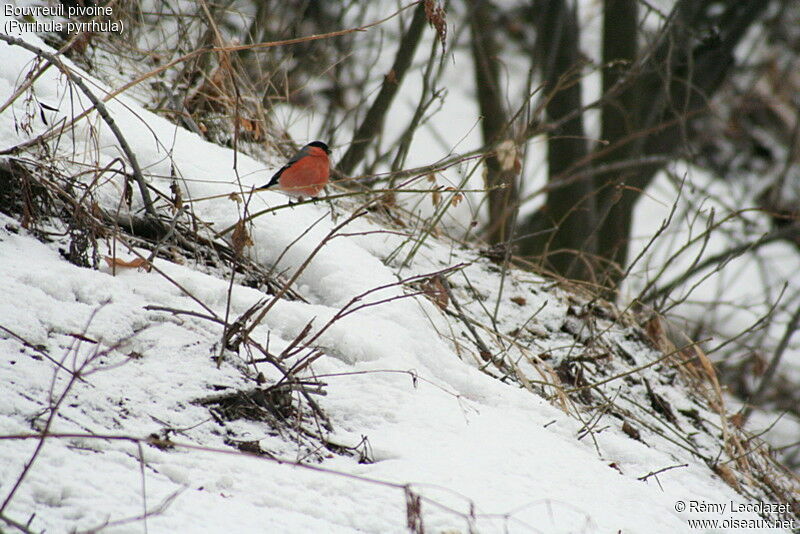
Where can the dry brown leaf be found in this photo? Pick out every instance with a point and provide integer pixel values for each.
(726, 474)
(733, 445)
(240, 238)
(435, 291)
(127, 192)
(655, 331)
(519, 301)
(737, 420)
(457, 197)
(136, 263)
(251, 127)
(631, 431)
(708, 367)
(177, 196)
(388, 200)
(246, 124)
(436, 197)
(435, 14)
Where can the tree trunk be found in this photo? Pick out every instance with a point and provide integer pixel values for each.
(619, 118)
(678, 82)
(500, 175)
(648, 114)
(563, 233)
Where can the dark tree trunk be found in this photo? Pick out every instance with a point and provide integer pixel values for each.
(500, 178)
(620, 118)
(562, 234)
(674, 87)
(651, 106)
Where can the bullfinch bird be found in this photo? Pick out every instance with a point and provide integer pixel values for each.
(306, 174)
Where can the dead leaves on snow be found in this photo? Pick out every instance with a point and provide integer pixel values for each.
(136, 263)
(434, 289)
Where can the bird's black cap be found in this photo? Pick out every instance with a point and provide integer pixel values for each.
(320, 144)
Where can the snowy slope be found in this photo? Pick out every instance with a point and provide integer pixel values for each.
(461, 439)
(484, 454)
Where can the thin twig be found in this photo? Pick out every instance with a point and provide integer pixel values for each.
(658, 472)
(769, 374)
(482, 347)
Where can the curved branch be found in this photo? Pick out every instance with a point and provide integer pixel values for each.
(101, 109)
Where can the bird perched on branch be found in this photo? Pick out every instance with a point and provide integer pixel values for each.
(306, 174)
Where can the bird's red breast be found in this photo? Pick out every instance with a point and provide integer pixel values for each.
(308, 175)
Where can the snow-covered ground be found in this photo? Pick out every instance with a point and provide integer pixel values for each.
(412, 411)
